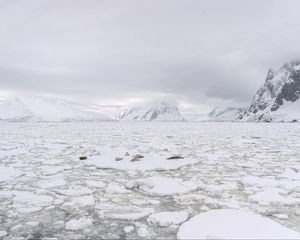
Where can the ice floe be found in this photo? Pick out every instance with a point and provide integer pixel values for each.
(260, 182)
(164, 219)
(74, 191)
(79, 202)
(130, 213)
(143, 232)
(3, 233)
(8, 173)
(233, 224)
(51, 182)
(115, 188)
(162, 186)
(290, 174)
(128, 229)
(273, 196)
(95, 184)
(116, 158)
(31, 199)
(78, 224)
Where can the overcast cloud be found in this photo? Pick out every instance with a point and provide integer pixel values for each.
(202, 53)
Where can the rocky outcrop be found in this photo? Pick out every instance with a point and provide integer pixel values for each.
(278, 99)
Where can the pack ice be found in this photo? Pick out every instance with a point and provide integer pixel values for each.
(112, 180)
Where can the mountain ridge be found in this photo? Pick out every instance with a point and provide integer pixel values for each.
(228, 114)
(277, 100)
(149, 111)
(44, 109)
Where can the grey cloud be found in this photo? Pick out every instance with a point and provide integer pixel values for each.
(198, 50)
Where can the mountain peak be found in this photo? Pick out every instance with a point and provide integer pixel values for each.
(280, 91)
(155, 110)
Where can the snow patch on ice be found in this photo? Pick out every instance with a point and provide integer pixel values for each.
(233, 224)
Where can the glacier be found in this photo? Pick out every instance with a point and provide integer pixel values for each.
(44, 108)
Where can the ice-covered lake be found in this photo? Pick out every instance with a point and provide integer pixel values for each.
(47, 192)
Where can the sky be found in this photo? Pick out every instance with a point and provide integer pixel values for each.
(106, 53)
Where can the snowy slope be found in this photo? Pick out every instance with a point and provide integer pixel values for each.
(41, 108)
(228, 114)
(160, 111)
(278, 99)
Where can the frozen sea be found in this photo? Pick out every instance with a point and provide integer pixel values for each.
(46, 191)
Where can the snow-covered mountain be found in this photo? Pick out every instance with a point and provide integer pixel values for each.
(229, 114)
(278, 99)
(42, 108)
(160, 111)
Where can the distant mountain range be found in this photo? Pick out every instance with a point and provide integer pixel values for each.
(50, 109)
(277, 100)
(41, 109)
(150, 111)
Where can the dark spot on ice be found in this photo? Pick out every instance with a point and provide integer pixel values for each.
(35, 236)
(175, 157)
